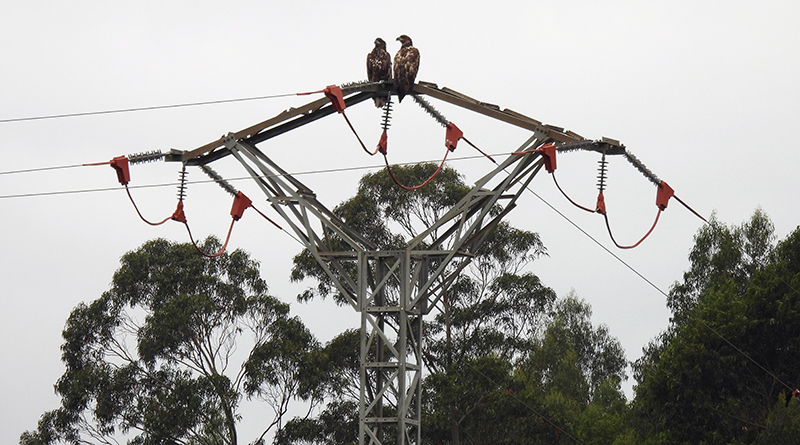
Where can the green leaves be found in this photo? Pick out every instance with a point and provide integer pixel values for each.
(499, 347)
(722, 254)
(733, 342)
(418, 209)
(152, 358)
(377, 210)
(279, 359)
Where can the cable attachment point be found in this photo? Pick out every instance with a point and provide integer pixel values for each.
(148, 156)
(601, 174)
(548, 153)
(452, 136)
(663, 194)
(219, 180)
(182, 184)
(240, 204)
(382, 143)
(334, 93)
(430, 110)
(600, 207)
(120, 165)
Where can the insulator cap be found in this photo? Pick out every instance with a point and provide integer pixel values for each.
(452, 136)
(240, 203)
(664, 193)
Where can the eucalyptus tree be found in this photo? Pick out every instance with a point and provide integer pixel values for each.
(494, 317)
(169, 353)
(723, 370)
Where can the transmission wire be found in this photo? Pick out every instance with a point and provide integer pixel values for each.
(104, 189)
(191, 104)
(703, 322)
(154, 107)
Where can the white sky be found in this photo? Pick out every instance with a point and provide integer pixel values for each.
(706, 94)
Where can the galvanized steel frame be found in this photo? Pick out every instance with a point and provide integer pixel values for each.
(392, 290)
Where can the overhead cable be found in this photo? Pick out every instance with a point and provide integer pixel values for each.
(155, 107)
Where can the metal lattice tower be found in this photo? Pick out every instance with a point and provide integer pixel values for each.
(392, 289)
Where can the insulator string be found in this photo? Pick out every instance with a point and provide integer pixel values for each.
(182, 184)
(601, 175)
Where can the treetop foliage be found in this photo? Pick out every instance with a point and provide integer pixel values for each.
(731, 350)
(153, 359)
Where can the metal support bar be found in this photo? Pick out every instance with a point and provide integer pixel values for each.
(392, 290)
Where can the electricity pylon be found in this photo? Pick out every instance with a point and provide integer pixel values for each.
(392, 289)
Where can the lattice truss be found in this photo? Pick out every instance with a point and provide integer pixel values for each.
(392, 289)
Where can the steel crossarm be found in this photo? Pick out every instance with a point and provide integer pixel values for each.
(393, 289)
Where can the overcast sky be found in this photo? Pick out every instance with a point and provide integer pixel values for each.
(706, 94)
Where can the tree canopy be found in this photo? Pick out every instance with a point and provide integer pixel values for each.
(154, 359)
(721, 372)
(159, 357)
(493, 333)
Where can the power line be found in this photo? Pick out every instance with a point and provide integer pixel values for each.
(155, 107)
(598, 243)
(703, 322)
(334, 170)
(30, 170)
(105, 189)
(343, 169)
(80, 191)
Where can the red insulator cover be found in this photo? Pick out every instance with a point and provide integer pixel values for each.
(240, 203)
(452, 136)
(601, 204)
(178, 215)
(120, 164)
(548, 152)
(334, 93)
(664, 193)
(383, 143)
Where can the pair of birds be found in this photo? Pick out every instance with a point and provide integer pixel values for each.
(406, 65)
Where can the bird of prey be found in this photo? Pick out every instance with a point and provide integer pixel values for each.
(379, 67)
(406, 65)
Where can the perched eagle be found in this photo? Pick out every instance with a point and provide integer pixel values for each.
(406, 65)
(379, 67)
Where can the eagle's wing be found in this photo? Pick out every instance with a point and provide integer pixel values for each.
(379, 67)
(406, 65)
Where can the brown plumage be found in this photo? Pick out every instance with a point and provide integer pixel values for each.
(406, 65)
(379, 67)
